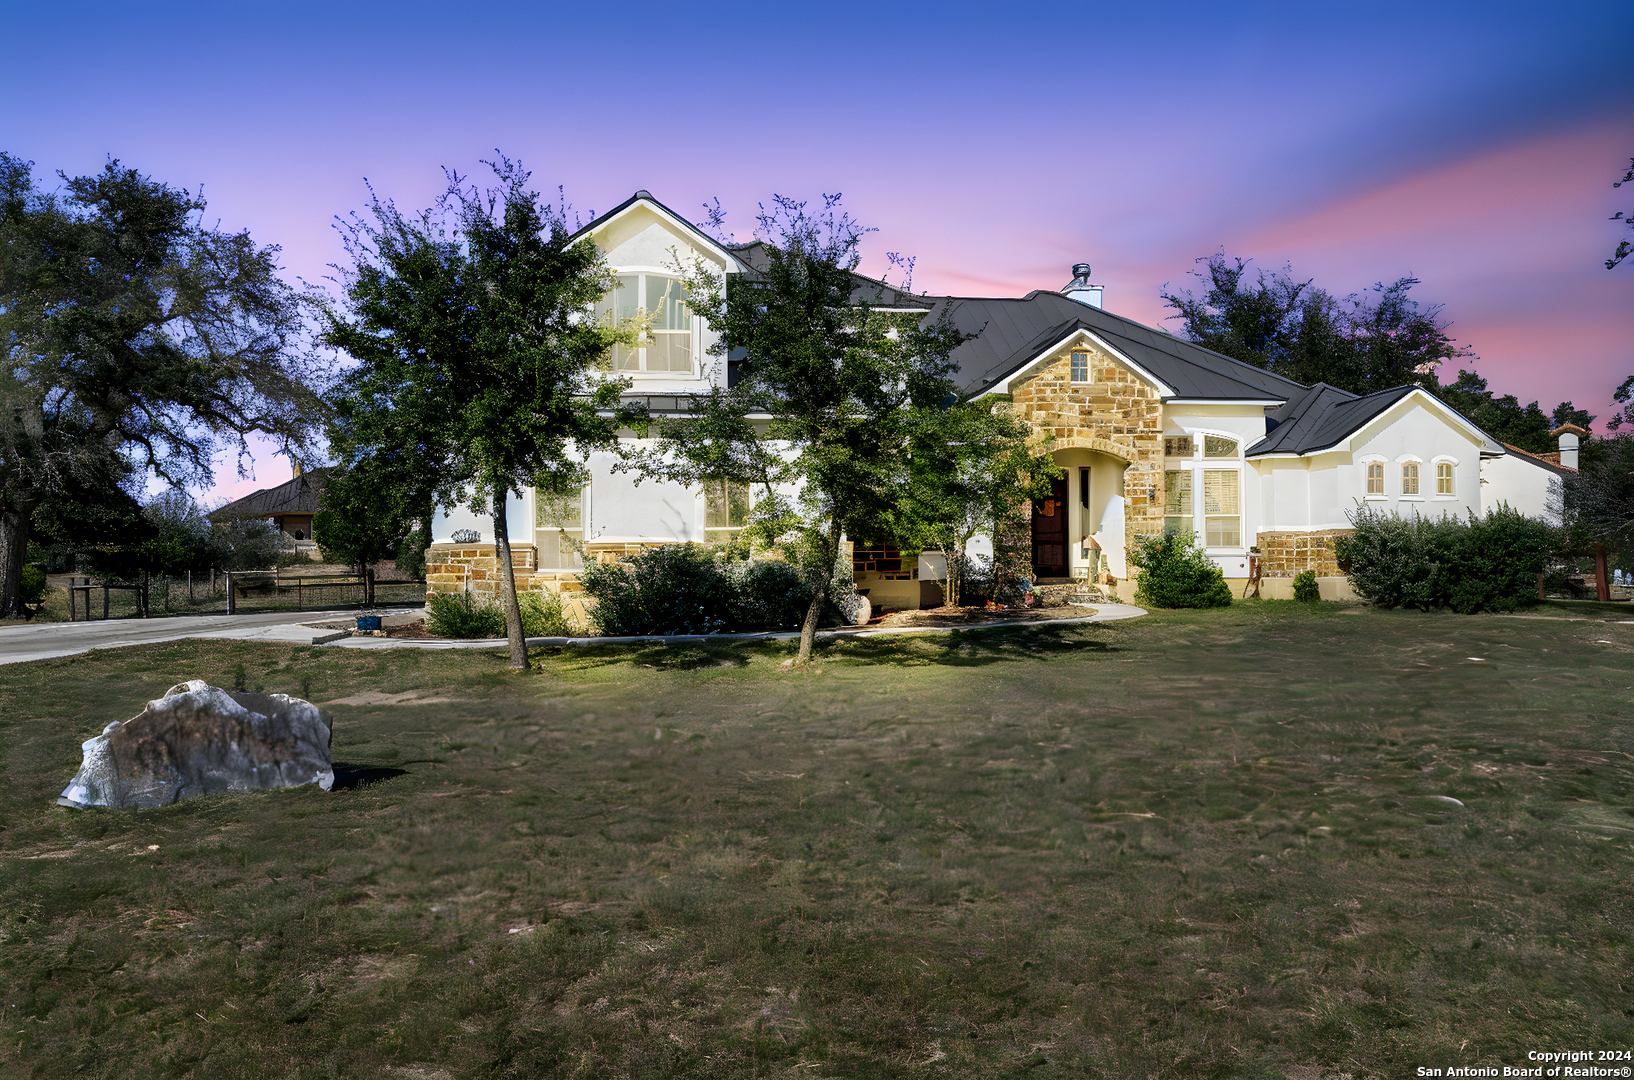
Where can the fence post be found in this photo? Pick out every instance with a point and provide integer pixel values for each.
(104, 600)
(232, 601)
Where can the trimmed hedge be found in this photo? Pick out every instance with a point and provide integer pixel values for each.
(1174, 573)
(1486, 563)
(461, 615)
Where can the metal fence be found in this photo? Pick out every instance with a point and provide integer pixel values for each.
(208, 594)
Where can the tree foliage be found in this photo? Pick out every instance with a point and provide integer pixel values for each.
(1487, 563)
(137, 339)
(1599, 500)
(844, 387)
(1175, 573)
(1623, 249)
(1504, 418)
(481, 370)
(367, 515)
(1362, 343)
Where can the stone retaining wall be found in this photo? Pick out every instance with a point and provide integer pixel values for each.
(1288, 554)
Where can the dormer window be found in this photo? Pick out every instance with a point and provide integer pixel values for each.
(657, 306)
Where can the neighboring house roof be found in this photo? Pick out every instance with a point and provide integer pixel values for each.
(296, 496)
(1550, 461)
(1010, 334)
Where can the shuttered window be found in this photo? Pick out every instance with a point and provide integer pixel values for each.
(1222, 508)
(1409, 478)
(1443, 478)
(1375, 478)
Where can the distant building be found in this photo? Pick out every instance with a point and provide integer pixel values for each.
(290, 507)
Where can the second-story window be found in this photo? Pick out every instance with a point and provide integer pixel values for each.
(657, 306)
(1080, 367)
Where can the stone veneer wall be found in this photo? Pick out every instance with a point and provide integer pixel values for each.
(455, 568)
(1116, 413)
(1288, 554)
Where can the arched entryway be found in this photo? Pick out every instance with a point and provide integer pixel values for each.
(1082, 516)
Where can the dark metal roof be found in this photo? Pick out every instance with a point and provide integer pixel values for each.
(645, 195)
(299, 495)
(1322, 416)
(865, 290)
(1010, 334)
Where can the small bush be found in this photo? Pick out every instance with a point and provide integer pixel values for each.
(1306, 589)
(675, 589)
(1486, 563)
(461, 615)
(1174, 573)
(34, 586)
(770, 595)
(542, 615)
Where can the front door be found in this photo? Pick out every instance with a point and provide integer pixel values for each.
(1050, 531)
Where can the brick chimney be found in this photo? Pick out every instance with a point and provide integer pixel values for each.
(1570, 436)
(1080, 289)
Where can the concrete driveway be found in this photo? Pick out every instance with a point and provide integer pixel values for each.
(42, 641)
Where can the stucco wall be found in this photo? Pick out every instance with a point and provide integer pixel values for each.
(1522, 483)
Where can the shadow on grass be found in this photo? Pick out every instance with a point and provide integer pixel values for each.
(959, 648)
(349, 777)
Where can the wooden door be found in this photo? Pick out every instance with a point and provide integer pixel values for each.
(1050, 532)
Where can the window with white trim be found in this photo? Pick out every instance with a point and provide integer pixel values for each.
(1080, 367)
(1177, 446)
(558, 529)
(1409, 478)
(1443, 478)
(1222, 508)
(1177, 504)
(1375, 478)
(656, 306)
(726, 510)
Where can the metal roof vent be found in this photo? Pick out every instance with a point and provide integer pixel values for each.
(1080, 289)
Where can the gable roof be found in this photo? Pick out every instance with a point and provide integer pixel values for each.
(298, 495)
(1010, 334)
(865, 290)
(600, 220)
(1321, 417)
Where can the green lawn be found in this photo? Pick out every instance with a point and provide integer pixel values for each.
(1193, 844)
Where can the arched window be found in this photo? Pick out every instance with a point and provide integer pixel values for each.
(657, 305)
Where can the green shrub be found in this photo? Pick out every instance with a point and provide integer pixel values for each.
(1305, 587)
(1174, 573)
(34, 586)
(461, 615)
(1486, 563)
(674, 589)
(542, 615)
(769, 595)
(692, 589)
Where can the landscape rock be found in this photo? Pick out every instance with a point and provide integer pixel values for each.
(202, 740)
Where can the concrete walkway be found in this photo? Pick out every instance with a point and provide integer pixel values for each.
(44, 641)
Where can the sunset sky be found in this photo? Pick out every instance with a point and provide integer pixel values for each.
(1470, 145)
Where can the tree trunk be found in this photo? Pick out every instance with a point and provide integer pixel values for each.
(507, 579)
(808, 629)
(14, 524)
(1602, 577)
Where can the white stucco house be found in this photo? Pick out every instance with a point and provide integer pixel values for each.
(1152, 432)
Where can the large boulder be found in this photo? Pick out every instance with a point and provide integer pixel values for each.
(202, 740)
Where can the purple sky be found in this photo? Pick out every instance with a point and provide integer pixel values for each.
(1470, 145)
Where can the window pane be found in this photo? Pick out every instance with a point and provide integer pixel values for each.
(1178, 526)
(726, 505)
(1375, 478)
(670, 351)
(1219, 446)
(562, 512)
(666, 298)
(1223, 532)
(1177, 446)
(1409, 479)
(1220, 492)
(1443, 478)
(1080, 367)
(626, 295)
(1177, 493)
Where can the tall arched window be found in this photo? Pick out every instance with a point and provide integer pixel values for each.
(657, 305)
